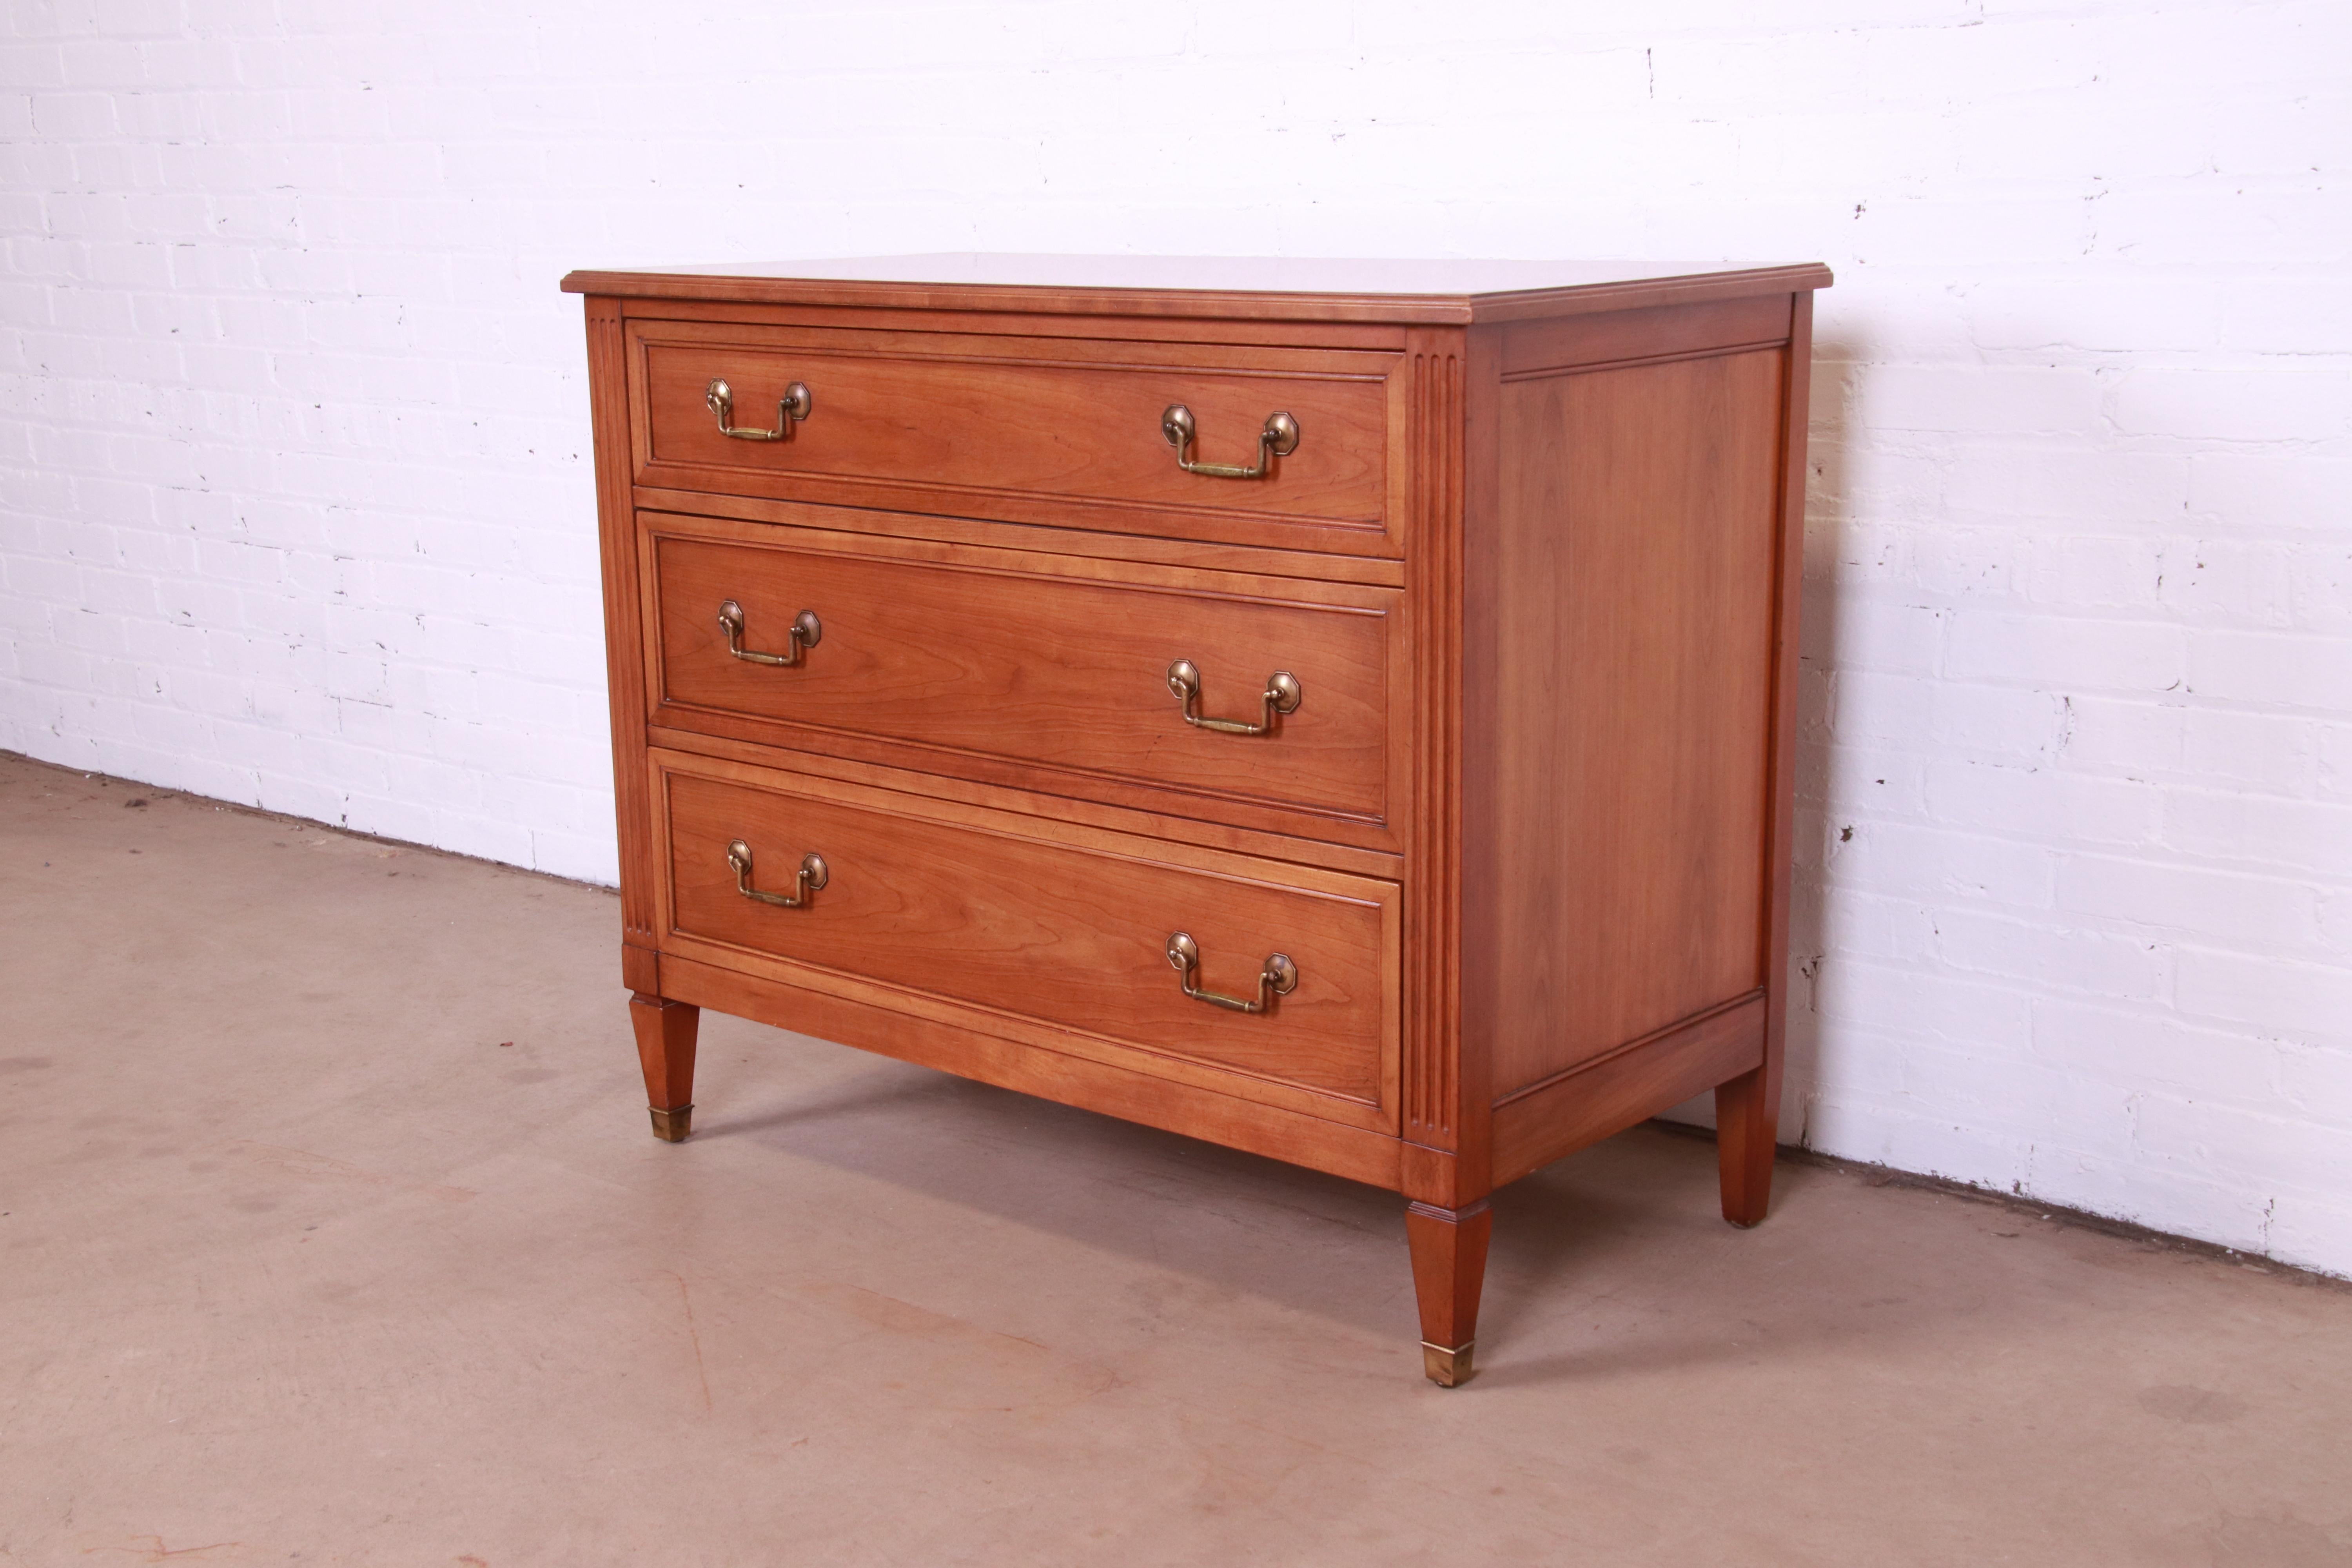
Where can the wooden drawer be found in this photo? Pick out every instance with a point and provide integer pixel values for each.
(1041, 932)
(1030, 663)
(1066, 431)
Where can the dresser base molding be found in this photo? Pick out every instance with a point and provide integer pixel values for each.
(1556, 1118)
(1357, 1153)
(1163, 824)
(1720, 1049)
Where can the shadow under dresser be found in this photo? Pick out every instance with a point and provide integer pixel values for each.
(1342, 710)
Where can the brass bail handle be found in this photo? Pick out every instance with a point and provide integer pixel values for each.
(813, 876)
(794, 406)
(806, 630)
(1282, 694)
(1279, 439)
(1278, 976)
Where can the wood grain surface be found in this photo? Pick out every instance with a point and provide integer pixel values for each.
(1635, 566)
(1747, 1108)
(1038, 667)
(1611, 1092)
(1072, 931)
(991, 425)
(666, 1034)
(625, 674)
(1449, 1273)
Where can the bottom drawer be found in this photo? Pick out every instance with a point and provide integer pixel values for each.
(1049, 933)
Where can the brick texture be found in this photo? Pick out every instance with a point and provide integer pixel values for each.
(294, 464)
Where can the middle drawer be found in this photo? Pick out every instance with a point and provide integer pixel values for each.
(1010, 664)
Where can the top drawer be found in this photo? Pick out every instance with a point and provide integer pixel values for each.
(1063, 432)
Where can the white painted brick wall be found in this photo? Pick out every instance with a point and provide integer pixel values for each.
(298, 508)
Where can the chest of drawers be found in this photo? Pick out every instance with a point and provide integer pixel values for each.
(1339, 710)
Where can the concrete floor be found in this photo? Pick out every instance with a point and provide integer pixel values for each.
(334, 1234)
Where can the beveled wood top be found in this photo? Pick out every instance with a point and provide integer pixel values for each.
(1291, 288)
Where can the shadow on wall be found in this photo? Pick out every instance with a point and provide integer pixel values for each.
(1837, 361)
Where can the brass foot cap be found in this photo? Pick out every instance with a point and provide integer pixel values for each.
(1447, 1368)
(670, 1125)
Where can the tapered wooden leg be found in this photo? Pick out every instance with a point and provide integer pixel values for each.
(1449, 1267)
(1747, 1124)
(666, 1051)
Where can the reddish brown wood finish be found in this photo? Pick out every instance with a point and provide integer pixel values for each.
(1061, 432)
(1465, 983)
(1286, 333)
(994, 657)
(624, 672)
(1529, 842)
(1748, 1109)
(1632, 1083)
(1068, 927)
(1447, 1101)
(666, 1033)
(1077, 546)
(1747, 1115)
(1449, 1273)
(1634, 547)
(1545, 348)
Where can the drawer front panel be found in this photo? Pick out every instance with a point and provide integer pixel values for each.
(1036, 667)
(1069, 932)
(1029, 429)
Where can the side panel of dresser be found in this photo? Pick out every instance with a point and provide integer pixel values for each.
(1630, 660)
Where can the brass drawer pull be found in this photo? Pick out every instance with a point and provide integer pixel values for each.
(806, 630)
(1279, 439)
(794, 406)
(1278, 977)
(811, 876)
(1282, 694)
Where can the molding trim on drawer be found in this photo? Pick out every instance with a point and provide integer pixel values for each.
(1538, 1123)
(1534, 348)
(1289, 334)
(994, 534)
(1346, 858)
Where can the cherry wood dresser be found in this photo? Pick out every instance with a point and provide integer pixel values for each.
(1340, 710)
